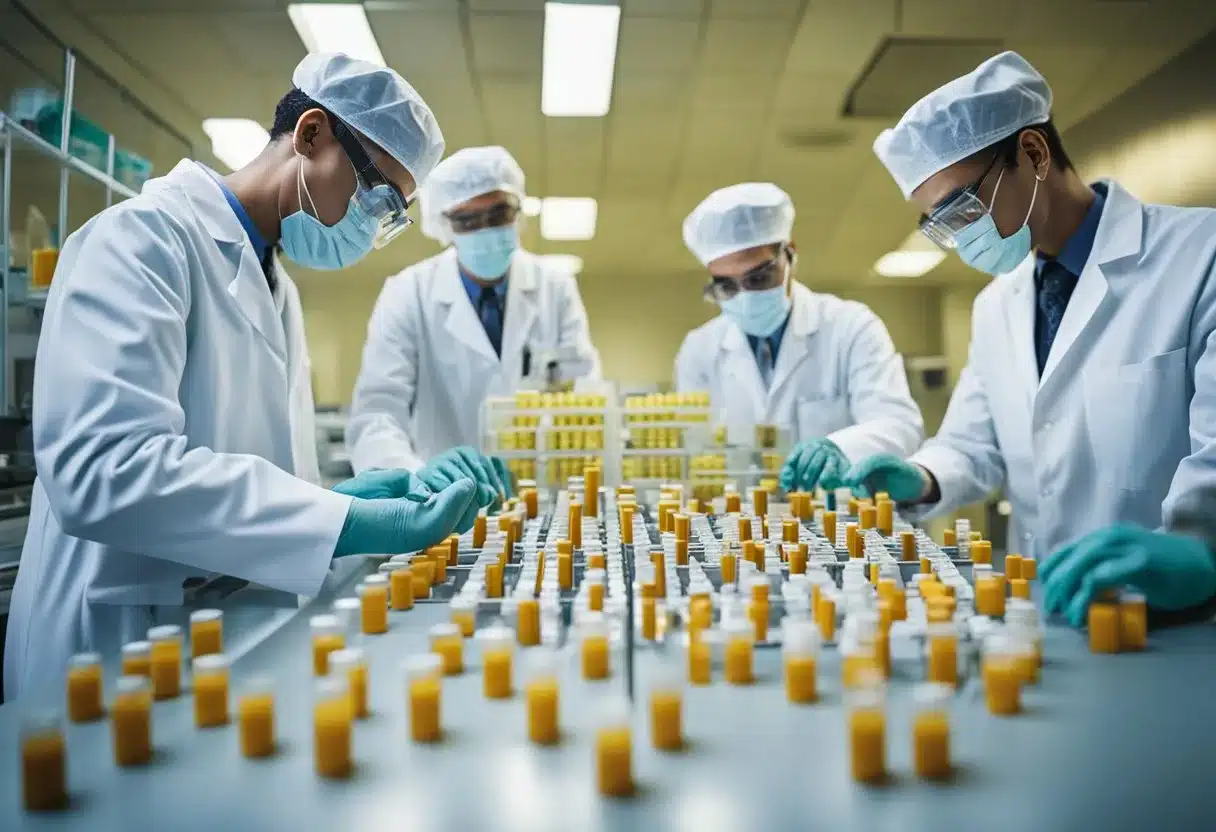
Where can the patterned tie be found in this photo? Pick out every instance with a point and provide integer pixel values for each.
(764, 358)
(490, 313)
(1055, 288)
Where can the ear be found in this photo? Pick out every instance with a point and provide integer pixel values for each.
(1033, 144)
(309, 131)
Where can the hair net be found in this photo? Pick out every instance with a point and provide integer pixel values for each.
(378, 103)
(995, 100)
(737, 218)
(467, 173)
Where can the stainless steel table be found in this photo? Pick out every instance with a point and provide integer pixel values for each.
(1106, 742)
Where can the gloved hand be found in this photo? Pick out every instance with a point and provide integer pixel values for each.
(386, 527)
(385, 484)
(465, 463)
(1173, 571)
(814, 462)
(903, 480)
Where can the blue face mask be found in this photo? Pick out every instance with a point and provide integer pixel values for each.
(758, 313)
(315, 245)
(486, 253)
(981, 246)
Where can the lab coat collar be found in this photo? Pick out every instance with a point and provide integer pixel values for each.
(521, 309)
(805, 316)
(248, 283)
(462, 321)
(1020, 304)
(1121, 230)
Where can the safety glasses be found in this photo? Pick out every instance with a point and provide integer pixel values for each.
(767, 275)
(375, 193)
(496, 216)
(957, 211)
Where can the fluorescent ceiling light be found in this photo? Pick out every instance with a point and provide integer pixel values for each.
(235, 141)
(579, 59)
(336, 27)
(908, 263)
(531, 206)
(568, 218)
(568, 263)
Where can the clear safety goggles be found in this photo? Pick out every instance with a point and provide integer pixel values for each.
(496, 216)
(957, 211)
(767, 275)
(374, 192)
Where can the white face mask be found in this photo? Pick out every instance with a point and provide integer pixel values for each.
(759, 313)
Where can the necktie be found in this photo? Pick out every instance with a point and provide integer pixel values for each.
(764, 358)
(1055, 288)
(490, 313)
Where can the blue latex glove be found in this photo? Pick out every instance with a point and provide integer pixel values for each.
(386, 527)
(465, 463)
(886, 472)
(385, 484)
(1172, 570)
(814, 462)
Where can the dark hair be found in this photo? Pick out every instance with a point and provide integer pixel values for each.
(289, 109)
(1008, 147)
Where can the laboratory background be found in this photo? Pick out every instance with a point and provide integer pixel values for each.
(670, 101)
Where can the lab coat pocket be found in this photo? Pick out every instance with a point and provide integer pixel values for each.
(1136, 415)
(819, 415)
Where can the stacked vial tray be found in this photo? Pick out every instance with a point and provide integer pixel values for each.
(495, 694)
(548, 437)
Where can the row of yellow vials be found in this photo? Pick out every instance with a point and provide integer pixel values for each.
(698, 402)
(559, 469)
(563, 440)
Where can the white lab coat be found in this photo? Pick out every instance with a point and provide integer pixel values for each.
(837, 376)
(172, 403)
(428, 364)
(1122, 424)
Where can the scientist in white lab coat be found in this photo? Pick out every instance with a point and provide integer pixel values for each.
(484, 317)
(172, 411)
(780, 354)
(1090, 389)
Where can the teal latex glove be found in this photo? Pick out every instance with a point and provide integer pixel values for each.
(886, 472)
(814, 462)
(385, 484)
(1172, 570)
(465, 463)
(386, 527)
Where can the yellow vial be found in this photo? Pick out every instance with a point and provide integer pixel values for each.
(758, 614)
(681, 551)
(576, 524)
(350, 663)
(44, 783)
(591, 488)
(799, 648)
(825, 615)
(1002, 679)
(541, 693)
(1103, 627)
(137, 658)
(131, 721)
(479, 531)
(596, 560)
(868, 517)
(255, 713)
(1030, 569)
(926, 567)
(166, 660)
(981, 551)
(660, 573)
(852, 540)
(464, 614)
(829, 527)
(210, 690)
(907, 545)
(729, 567)
(594, 632)
(373, 596)
(886, 516)
(745, 529)
(528, 622)
(332, 728)
(648, 619)
(327, 636)
(497, 648)
(760, 501)
(1133, 621)
(739, 648)
(931, 731)
(423, 687)
(84, 688)
(1013, 567)
(401, 588)
(626, 525)
(989, 597)
(448, 644)
(1019, 588)
(614, 753)
(948, 537)
(206, 632)
(700, 661)
(798, 558)
(666, 703)
(943, 654)
(733, 503)
(867, 734)
(494, 588)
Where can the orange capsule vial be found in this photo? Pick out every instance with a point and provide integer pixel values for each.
(700, 662)
(1002, 677)
(255, 715)
(43, 764)
(829, 527)
(497, 648)
(131, 721)
(1103, 627)
(350, 664)
(931, 732)
(729, 564)
(137, 658)
(867, 734)
(733, 503)
(401, 588)
(666, 705)
(423, 681)
(332, 728)
(464, 614)
(1133, 621)
(907, 545)
(594, 632)
(84, 688)
(327, 636)
(166, 661)
(740, 636)
(373, 598)
(541, 694)
(528, 622)
(210, 690)
(206, 632)
(943, 654)
(614, 753)
(799, 649)
(448, 644)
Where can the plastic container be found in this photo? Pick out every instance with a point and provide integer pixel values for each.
(942, 654)
(137, 658)
(351, 664)
(527, 623)
(867, 732)
(206, 632)
(800, 651)
(373, 597)
(541, 693)
(593, 630)
(423, 690)
(739, 637)
(464, 614)
(166, 660)
(327, 636)
(401, 588)
(1002, 681)
(131, 720)
(210, 690)
(666, 705)
(84, 688)
(931, 731)
(43, 763)
(614, 751)
(497, 649)
(332, 727)
(448, 644)
(1133, 621)
(255, 714)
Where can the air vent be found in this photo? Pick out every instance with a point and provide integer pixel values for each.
(825, 139)
(904, 69)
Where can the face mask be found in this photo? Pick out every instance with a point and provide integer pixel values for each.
(315, 245)
(982, 247)
(486, 253)
(759, 314)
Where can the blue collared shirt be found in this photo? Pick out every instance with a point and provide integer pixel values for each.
(492, 323)
(473, 289)
(1076, 251)
(260, 246)
(774, 339)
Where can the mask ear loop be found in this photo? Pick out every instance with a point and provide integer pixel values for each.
(300, 182)
(1033, 194)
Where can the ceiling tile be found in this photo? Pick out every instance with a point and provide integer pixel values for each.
(649, 94)
(723, 91)
(507, 5)
(420, 43)
(786, 10)
(574, 156)
(836, 38)
(650, 46)
(755, 48)
(933, 18)
(265, 42)
(686, 9)
(511, 43)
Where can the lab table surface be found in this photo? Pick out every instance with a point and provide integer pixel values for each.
(1105, 742)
